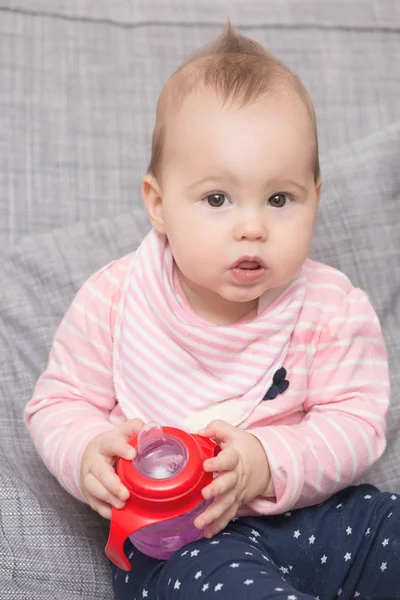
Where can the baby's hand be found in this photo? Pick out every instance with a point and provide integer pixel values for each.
(243, 473)
(99, 481)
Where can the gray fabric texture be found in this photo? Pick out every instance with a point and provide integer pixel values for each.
(358, 232)
(79, 82)
(293, 13)
(52, 544)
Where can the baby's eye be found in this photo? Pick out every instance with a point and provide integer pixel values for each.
(279, 200)
(216, 200)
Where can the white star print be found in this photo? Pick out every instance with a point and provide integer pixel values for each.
(383, 567)
(368, 531)
(234, 565)
(177, 584)
(194, 552)
(255, 533)
(288, 514)
(356, 595)
(291, 597)
(311, 539)
(145, 594)
(284, 570)
(347, 556)
(126, 578)
(226, 533)
(390, 514)
(339, 592)
(296, 534)
(249, 553)
(385, 542)
(324, 558)
(265, 557)
(367, 497)
(214, 543)
(205, 587)
(316, 597)
(278, 589)
(339, 505)
(184, 553)
(218, 587)
(248, 581)
(349, 531)
(198, 574)
(253, 539)
(393, 497)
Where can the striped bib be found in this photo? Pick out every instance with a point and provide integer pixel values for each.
(172, 367)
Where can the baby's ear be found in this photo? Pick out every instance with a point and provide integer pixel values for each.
(318, 186)
(152, 197)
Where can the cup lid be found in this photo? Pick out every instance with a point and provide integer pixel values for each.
(159, 455)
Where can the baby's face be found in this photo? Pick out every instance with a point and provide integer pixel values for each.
(239, 201)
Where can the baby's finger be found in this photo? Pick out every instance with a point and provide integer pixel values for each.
(227, 460)
(221, 523)
(102, 508)
(116, 445)
(97, 490)
(220, 505)
(106, 475)
(221, 431)
(221, 484)
(131, 427)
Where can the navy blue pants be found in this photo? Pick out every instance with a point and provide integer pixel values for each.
(346, 547)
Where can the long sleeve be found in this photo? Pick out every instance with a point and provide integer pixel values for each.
(343, 430)
(74, 397)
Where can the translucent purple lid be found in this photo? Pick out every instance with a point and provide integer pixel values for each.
(159, 456)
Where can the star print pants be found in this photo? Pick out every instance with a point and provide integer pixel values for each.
(347, 547)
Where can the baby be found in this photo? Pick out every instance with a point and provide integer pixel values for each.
(220, 324)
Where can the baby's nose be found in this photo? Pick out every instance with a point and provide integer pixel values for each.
(252, 227)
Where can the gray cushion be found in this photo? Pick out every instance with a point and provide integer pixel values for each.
(51, 546)
(80, 79)
(358, 231)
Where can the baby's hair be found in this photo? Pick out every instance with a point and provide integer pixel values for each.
(240, 71)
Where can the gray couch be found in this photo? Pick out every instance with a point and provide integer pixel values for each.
(79, 81)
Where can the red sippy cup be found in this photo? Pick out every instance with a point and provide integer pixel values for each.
(165, 480)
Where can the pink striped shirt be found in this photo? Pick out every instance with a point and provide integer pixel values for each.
(320, 435)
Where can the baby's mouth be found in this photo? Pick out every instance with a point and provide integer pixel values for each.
(248, 265)
(248, 270)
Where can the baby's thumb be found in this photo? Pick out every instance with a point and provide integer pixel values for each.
(131, 427)
(220, 431)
